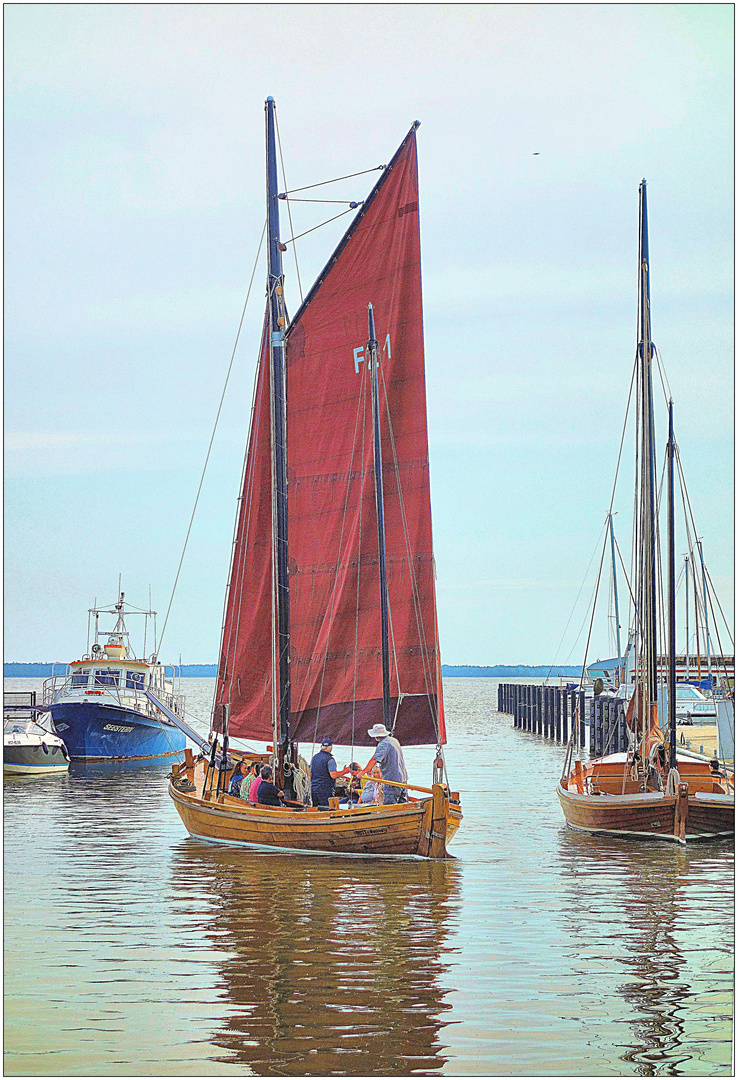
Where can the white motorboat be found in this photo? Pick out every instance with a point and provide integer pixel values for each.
(30, 744)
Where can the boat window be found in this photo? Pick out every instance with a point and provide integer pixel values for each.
(135, 680)
(106, 677)
(79, 678)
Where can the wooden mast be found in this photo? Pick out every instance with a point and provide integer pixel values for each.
(647, 559)
(277, 324)
(672, 596)
(372, 349)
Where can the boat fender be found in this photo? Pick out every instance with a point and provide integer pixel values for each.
(45, 747)
(64, 752)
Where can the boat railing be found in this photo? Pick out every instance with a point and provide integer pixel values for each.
(59, 686)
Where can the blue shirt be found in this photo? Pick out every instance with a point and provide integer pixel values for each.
(268, 794)
(322, 783)
(234, 788)
(388, 756)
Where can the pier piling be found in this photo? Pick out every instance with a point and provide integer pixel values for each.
(554, 711)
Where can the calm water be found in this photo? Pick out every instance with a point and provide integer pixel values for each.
(133, 950)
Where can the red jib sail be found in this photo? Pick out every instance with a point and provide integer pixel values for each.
(335, 628)
(245, 668)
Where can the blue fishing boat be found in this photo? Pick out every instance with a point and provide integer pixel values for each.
(113, 705)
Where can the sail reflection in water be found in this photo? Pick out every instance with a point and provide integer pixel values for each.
(650, 960)
(345, 971)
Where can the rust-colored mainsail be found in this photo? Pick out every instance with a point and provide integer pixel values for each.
(335, 633)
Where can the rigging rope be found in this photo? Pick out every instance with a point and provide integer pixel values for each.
(289, 212)
(353, 205)
(323, 183)
(315, 227)
(424, 650)
(212, 437)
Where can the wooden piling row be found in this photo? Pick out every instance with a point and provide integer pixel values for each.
(554, 711)
(551, 711)
(608, 731)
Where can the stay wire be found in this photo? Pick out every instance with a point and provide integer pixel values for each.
(574, 607)
(353, 204)
(612, 501)
(415, 591)
(212, 437)
(315, 227)
(594, 604)
(289, 212)
(323, 183)
(717, 600)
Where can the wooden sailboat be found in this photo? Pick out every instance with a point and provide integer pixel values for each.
(651, 790)
(330, 619)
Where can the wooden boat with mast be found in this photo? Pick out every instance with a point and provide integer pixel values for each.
(650, 791)
(330, 618)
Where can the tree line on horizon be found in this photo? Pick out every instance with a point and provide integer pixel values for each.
(14, 670)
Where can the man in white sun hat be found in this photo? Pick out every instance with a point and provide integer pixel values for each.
(388, 756)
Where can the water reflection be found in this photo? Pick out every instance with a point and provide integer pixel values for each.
(629, 907)
(330, 966)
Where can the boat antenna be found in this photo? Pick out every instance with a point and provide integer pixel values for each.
(372, 350)
(277, 323)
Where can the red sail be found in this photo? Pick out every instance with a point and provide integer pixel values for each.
(336, 666)
(335, 645)
(245, 677)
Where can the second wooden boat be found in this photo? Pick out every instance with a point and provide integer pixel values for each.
(650, 791)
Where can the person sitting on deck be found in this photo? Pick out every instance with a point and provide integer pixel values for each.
(323, 774)
(252, 773)
(255, 785)
(388, 756)
(373, 793)
(354, 784)
(234, 788)
(267, 794)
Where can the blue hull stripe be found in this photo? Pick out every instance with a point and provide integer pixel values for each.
(100, 732)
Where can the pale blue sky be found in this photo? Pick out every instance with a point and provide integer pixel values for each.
(134, 202)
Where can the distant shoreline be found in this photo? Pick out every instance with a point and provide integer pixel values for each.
(208, 671)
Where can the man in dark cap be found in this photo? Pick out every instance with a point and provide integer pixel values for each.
(323, 774)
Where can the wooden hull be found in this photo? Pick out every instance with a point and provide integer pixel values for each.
(694, 814)
(419, 827)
